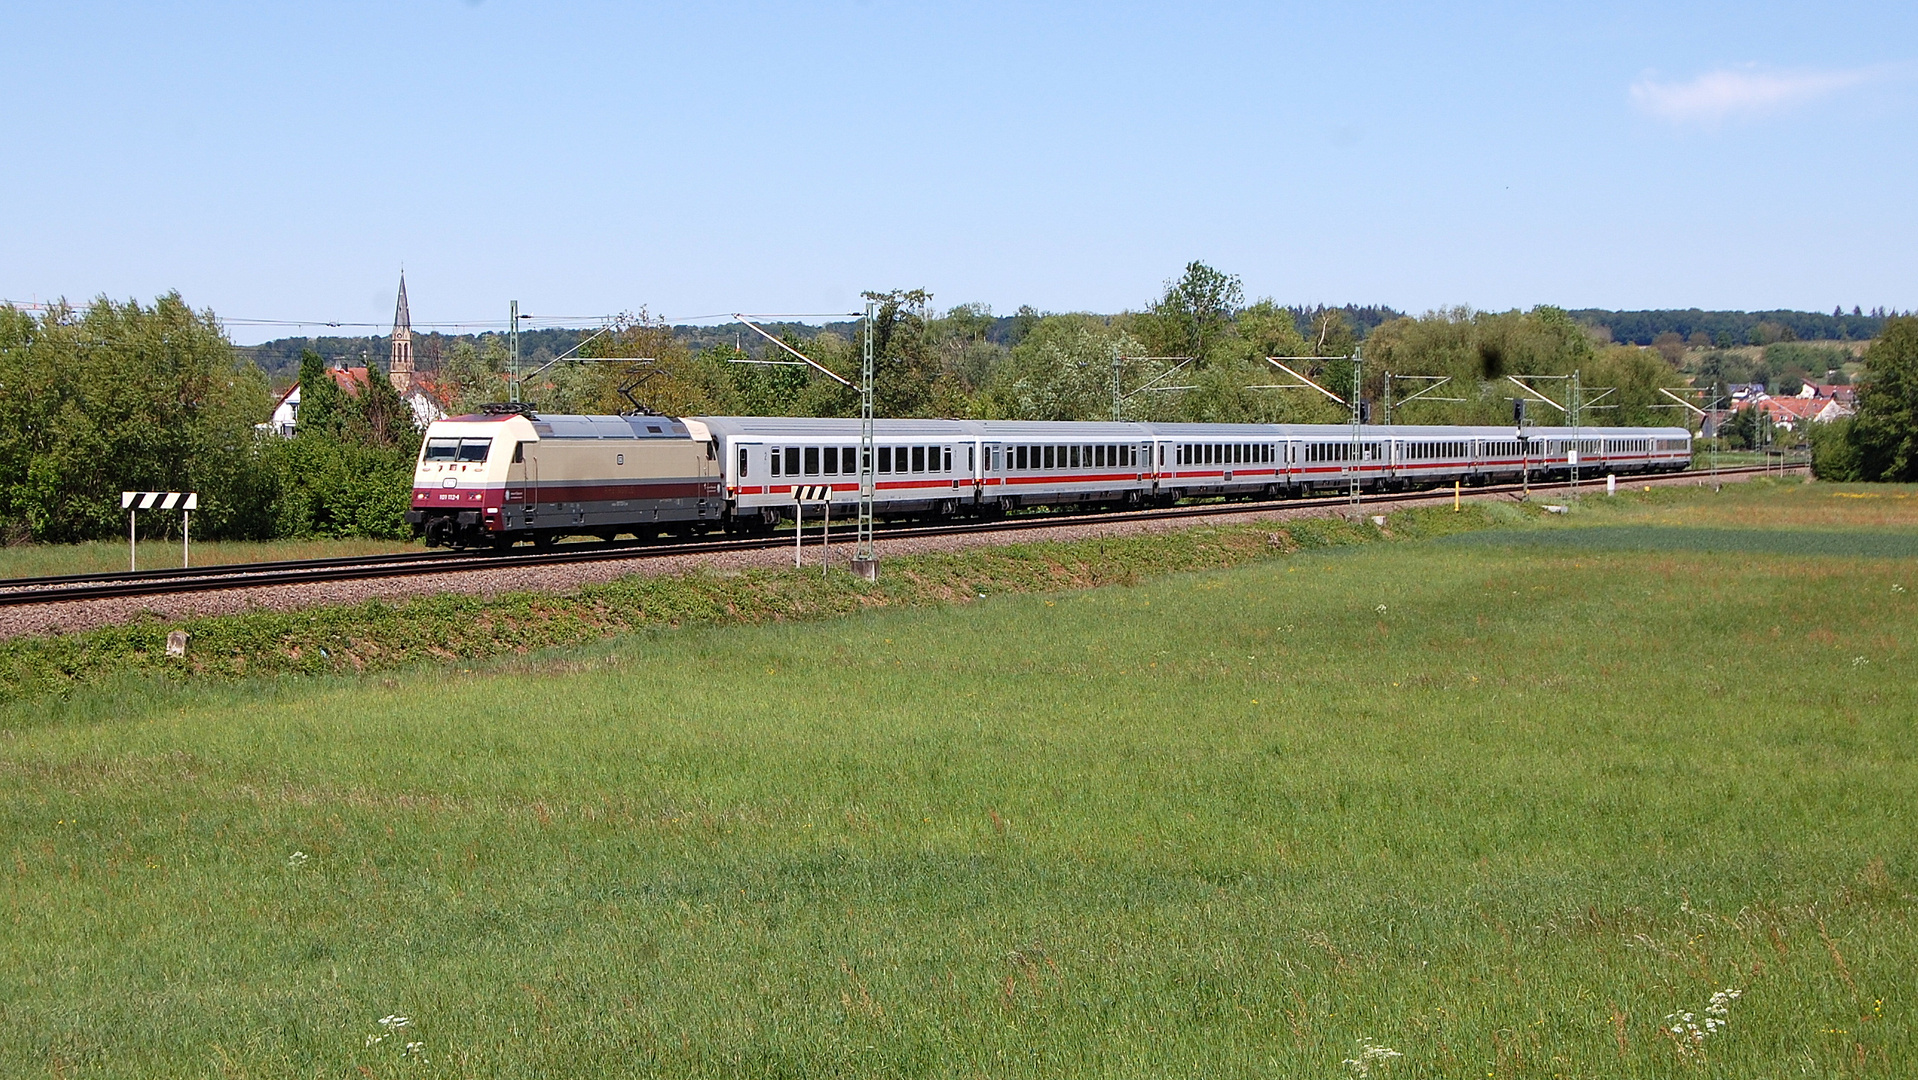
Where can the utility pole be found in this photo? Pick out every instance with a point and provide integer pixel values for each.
(865, 561)
(1353, 493)
(1577, 410)
(512, 336)
(1116, 399)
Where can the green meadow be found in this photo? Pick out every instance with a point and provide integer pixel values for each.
(1512, 803)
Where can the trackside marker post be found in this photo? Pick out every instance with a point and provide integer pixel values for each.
(822, 494)
(135, 501)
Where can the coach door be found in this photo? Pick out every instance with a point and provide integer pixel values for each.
(749, 461)
(987, 475)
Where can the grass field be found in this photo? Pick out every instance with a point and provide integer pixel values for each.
(1503, 804)
(110, 556)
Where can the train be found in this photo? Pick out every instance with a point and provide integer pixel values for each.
(511, 474)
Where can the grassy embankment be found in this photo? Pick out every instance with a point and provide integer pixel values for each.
(1500, 803)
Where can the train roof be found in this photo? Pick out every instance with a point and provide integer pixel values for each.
(823, 427)
(573, 426)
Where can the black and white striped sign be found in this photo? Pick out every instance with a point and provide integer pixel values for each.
(159, 500)
(812, 493)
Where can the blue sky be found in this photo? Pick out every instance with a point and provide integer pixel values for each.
(281, 161)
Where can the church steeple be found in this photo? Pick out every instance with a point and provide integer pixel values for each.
(399, 368)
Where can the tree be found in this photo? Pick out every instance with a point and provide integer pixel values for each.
(120, 397)
(903, 367)
(640, 361)
(1061, 370)
(348, 469)
(323, 405)
(1885, 432)
(1193, 313)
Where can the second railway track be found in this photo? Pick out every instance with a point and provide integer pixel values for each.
(82, 587)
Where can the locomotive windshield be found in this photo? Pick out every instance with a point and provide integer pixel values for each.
(457, 449)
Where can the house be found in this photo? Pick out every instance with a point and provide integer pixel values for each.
(286, 410)
(1839, 392)
(1791, 413)
(427, 399)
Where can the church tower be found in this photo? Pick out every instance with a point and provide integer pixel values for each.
(399, 368)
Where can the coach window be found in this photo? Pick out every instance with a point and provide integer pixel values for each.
(1019, 457)
(885, 459)
(742, 462)
(832, 461)
(947, 457)
(970, 468)
(773, 456)
(918, 458)
(792, 460)
(848, 460)
(812, 461)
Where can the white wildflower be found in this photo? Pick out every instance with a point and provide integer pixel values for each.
(1688, 1035)
(1380, 609)
(1859, 661)
(1370, 1056)
(296, 860)
(391, 1021)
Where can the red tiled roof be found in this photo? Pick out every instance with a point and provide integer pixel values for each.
(351, 380)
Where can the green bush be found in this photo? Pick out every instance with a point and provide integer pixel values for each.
(1833, 456)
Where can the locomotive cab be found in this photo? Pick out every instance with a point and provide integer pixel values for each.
(470, 470)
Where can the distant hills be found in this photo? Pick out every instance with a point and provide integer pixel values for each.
(280, 358)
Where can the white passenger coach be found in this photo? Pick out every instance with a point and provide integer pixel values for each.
(951, 467)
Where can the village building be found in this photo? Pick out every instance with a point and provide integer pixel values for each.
(416, 390)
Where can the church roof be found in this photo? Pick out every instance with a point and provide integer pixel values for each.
(402, 319)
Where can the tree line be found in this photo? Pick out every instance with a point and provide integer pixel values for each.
(124, 396)
(130, 397)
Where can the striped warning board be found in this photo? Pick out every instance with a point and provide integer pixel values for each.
(159, 500)
(812, 493)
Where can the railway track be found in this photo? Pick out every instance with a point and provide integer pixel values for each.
(76, 587)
